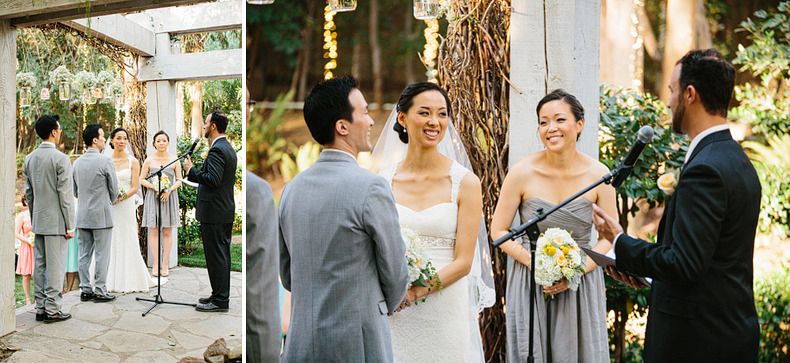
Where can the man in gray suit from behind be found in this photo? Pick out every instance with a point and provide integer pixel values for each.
(264, 326)
(96, 189)
(341, 252)
(47, 174)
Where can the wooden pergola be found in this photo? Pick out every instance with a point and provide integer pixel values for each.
(146, 33)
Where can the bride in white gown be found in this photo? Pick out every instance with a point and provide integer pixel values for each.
(441, 201)
(127, 271)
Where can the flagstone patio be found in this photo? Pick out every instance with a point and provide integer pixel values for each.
(116, 332)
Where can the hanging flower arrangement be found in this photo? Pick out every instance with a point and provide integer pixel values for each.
(25, 79)
(62, 77)
(106, 78)
(86, 82)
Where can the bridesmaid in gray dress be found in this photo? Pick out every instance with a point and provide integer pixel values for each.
(570, 327)
(169, 198)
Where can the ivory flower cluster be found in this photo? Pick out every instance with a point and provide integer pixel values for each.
(558, 256)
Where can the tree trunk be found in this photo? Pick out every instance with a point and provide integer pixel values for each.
(375, 52)
(687, 29)
(408, 70)
(307, 42)
(356, 57)
(196, 111)
(619, 60)
(620, 319)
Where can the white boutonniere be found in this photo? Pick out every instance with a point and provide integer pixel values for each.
(668, 181)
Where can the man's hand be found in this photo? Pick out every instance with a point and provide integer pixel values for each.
(607, 226)
(625, 278)
(70, 235)
(187, 165)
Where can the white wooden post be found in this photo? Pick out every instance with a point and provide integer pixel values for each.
(554, 44)
(161, 113)
(7, 173)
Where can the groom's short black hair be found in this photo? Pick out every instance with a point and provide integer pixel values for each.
(45, 125)
(91, 132)
(326, 104)
(219, 119)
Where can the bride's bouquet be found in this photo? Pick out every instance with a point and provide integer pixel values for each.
(121, 193)
(165, 183)
(32, 238)
(558, 256)
(421, 271)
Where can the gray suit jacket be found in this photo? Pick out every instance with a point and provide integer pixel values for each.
(263, 305)
(96, 188)
(342, 258)
(47, 174)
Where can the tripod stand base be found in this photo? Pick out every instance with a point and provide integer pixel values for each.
(159, 300)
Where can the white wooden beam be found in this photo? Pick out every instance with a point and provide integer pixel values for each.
(220, 64)
(7, 174)
(562, 53)
(199, 18)
(28, 13)
(116, 29)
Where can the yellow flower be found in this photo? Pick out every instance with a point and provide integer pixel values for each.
(551, 250)
(667, 182)
(564, 250)
(561, 260)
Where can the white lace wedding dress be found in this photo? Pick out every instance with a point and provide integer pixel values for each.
(127, 271)
(444, 327)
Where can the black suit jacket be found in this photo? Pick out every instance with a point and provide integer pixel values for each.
(217, 177)
(702, 298)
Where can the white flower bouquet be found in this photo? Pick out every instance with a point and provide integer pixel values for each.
(121, 193)
(558, 256)
(105, 77)
(421, 271)
(32, 238)
(60, 74)
(84, 80)
(165, 183)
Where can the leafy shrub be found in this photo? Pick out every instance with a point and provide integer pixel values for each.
(773, 167)
(772, 299)
(766, 106)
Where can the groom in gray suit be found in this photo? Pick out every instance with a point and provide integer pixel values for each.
(96, 188)
(47, 174)
(341, 251)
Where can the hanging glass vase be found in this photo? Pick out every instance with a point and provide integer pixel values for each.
(108, 90)
(426, 9)
(119, 101)
(87, 96)
(24, 96)
(64, 91)
(342, 5)
(260, 2)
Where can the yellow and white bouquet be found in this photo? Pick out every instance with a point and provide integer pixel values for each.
(32, 238)
(165, 183)
(121, 193)
(558, 256)
(421, 271)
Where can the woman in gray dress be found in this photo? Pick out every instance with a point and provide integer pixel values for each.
(168, 197)
(571, 326)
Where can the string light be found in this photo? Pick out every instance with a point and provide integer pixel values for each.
(431, 49)
(330, 42)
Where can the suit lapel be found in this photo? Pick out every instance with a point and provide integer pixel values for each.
(714, 137)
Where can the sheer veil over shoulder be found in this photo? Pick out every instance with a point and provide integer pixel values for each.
(138, 197)
(389, 151)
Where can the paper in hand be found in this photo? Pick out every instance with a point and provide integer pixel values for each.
(610, 259)
(187, 182)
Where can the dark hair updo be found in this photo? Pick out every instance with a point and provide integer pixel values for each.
(160, 132)
(560, 94)
(407, 100)
(112, 135)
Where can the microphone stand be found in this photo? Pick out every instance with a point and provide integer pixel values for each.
(533, 233)
(158, 297)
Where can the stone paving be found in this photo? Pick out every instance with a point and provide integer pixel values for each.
(116, 332)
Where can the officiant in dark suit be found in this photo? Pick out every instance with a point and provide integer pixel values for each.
(702, 298)
(215, 209)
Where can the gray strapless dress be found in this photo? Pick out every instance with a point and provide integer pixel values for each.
(576, 319)
(170, 217)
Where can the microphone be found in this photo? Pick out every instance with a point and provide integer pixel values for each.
(197, 140)
(643, 137)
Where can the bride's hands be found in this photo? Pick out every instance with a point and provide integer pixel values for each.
(404, 304)
(557, 287)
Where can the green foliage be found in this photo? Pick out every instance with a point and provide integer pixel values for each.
(189, 238)
(265, 145)
(622, 114)
(197, 257)
(772, 300)
(306, 156)
(282, 28)
(766, 106)
(773, 167)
